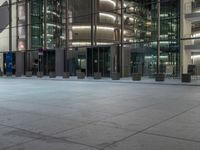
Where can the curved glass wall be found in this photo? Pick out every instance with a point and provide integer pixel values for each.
(126, 28)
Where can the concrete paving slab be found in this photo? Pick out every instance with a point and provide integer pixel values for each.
(19, 118)
(88, 116)
(186, 126)
(98, 114)
(151, 142)
(55, 144)
(9, 138)
(137, 120)
(51, 125)
(96, 135)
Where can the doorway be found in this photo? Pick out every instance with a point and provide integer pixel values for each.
(98, 60)
(47, 62)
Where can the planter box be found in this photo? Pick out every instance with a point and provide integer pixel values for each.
(97, 75)
(80, 75)
(136, 76)
(186, 78)
(66, 75)
(18, 75)
(29, 74)
(40, 74)
(1, 73)
(160, 77)
(115, 76)
(9, 74)
(52, 75)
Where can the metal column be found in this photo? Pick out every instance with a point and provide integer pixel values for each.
(45, 24)
(158, 37)
(122, 38)
(92, 23)
(66, 68)
(10, 25)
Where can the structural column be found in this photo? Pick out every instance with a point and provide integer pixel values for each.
(66, 68)
(10, 25)
(186, 27)
(122, 71)
(158, 37)
(45, 24)
(92, 23)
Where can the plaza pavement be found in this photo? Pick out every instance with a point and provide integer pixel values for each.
(43, 114)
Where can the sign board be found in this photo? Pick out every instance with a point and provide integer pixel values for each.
(9, 62)
(40, 51)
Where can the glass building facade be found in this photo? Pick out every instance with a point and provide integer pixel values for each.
(94, 36)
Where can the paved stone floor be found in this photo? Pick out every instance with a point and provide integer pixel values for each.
(76, 115)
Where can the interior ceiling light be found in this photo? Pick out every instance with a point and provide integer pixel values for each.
(108, 15)
(105, 28)
(81, 27)
(195, 56)
(109, 1)
(88, 43)
(81, 43)
(195, 35)
(89, 27)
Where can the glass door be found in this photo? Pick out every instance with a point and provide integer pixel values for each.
(98, 60)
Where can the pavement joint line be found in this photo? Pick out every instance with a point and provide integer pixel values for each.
(94, 122)
(41, 136)
(143, 130)
(172, 137)
(14, 145)
(109, 81)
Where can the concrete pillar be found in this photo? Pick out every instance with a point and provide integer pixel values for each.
(122, 53)
(19, 63)
(1, 61)
(59, 62)
(126, 62)
(186, 27)
(114, 59)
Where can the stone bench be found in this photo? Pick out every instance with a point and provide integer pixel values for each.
(40, 74)
(186, 78)
(160, 77)
(1, 73)
(29, 74)
(115, 76)
(52, 75)
(9, 74)
(80, 75)
(97, 75)
(66, 75)
(136, 77)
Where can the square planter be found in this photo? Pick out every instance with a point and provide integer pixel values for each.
(136, 76)
(80, 75)
(9, 74)
(40, 74)
(29, 74)
(97, 75)
(160, 77)
(66, 75)
(1, 73)
(186, 78)
(115, 76)
(18, 75)
(52, 75)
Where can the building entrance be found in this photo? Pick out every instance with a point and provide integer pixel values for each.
(98, 60)
(47, 62)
